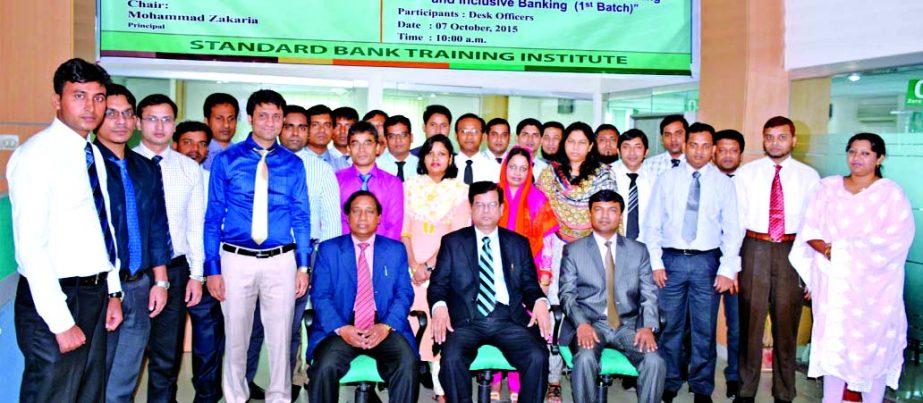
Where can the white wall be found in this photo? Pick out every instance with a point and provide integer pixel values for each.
(831, 32)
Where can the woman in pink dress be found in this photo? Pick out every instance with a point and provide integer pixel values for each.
(851, 252)
(435, 203)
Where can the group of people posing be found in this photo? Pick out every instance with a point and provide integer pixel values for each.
(318, 209)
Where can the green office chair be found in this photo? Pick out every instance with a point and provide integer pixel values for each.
(489, 359)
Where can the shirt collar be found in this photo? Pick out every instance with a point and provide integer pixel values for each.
(494, 239)
(72, 138)
(601, 242)
(356, 242)
(148, 153)
(251, 144)
(106, 152)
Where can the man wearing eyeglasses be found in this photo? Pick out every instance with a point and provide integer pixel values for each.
(472, 165)
(398, 160)
(142, 236)
(184, 193)
(363, 174)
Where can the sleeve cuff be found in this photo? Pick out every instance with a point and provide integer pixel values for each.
(437, 305)
(212, 267)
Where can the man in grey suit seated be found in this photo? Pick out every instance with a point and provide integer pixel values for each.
(607, 292)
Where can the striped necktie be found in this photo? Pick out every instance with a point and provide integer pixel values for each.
(364, 306)
(633, 227)
(365, 181)
(487, 296)
(100, 203)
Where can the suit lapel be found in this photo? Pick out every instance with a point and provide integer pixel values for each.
(472, 244)
(378, 260)
(505, 259)
(592, 249)
(621, 258)
(348, 252)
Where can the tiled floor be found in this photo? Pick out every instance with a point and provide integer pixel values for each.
(808, 390)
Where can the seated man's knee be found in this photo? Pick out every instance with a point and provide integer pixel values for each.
(585, 357)
(654, 361)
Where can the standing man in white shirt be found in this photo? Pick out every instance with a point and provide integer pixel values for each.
(437, 119)
(673, 130)
(552, 132)
(772, 192)
(473, 166)
(529, 135)
(397, 160)
(184, 192)
(498, 140)
(693, 236)
(344, 117)
(69, 292)
(607, 143)
(633, 182)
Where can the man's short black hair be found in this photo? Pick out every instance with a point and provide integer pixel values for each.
(699, 127)
(731, 134)
(155, 99)
(496, 121)
(777, 121)
(295, 109)
(357, 194)
(374, 112)
(529, 122)
(396, 120)
(345, 112)
(362, 127)
(434, 109)
(552, 123)
(607, 126)
(319, 109)
(481, 187)
(113, 90)
(632, 134)
(607, 195)
(192, 126)
(77, 70)
(264, 97)
(670, 119)
(219, 98)
(471, 116)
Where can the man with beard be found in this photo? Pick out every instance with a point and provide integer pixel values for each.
(607, 143)
(672, 134)
(551, 138)
(772, 192)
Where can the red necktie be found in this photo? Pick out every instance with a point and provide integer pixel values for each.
(365, 297)
(776, 208)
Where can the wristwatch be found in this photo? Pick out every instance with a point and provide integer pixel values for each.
(305, 269)
(117, 294)
(200, 279)
(164, 284)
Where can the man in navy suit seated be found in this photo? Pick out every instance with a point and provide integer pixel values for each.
(361, 294)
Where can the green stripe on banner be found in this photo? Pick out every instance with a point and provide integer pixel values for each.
(7, 250)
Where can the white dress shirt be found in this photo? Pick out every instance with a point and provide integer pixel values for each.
(601, 244)
(503, 295)
(662, 162)
(323, 196)
(717, 224)
(386, 162)
(55, 223)
(754, 188)
(484, 168)
(538, 165)
(645, 185)
(184, 193)
(346, 159)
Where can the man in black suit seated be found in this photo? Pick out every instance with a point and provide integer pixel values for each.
(481, 292)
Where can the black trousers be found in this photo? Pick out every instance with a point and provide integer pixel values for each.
(523, 347)
(397, 364)
(165, 346)
(49, 376)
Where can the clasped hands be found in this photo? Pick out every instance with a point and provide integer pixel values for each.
(364, 339)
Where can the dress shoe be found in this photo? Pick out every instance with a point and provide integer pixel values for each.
(296, 391)
(733, 388)
(629, 383)
(699, 398)
(740, 399)
(256, 392)
(668, 396)
(782, 401)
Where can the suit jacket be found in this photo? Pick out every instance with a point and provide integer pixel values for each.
(455, 279)
(333, 288)
(582, 286)
(151, 207)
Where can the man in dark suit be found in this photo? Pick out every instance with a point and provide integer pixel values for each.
(608, 293)
(480, 291)
(362, 295)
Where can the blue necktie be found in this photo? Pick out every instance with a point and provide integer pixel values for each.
(157, 160)
(487, 296)
(365, 181)
(691, 218)
(100, 203)
(131, 215)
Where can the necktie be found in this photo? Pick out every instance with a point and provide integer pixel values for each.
(364, 306)
(400, 169)
(157, 160)
(633, 228)
(674, 163)
(487, 296)
(365, 181)
(131, 217)
(259, 227)
(469, 172)
(776, 208)
(100, 203)
(499, 160)
(611, 312)
(691, 218)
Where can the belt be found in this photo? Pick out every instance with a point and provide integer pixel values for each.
(259, 254)
(126, 277)
(688, 252)
(765, 237)
(96, 279)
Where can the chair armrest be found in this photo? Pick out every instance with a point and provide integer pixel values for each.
(421, 319)
(558, 314)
